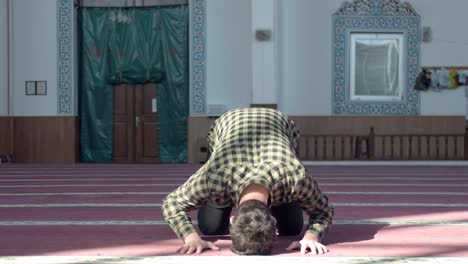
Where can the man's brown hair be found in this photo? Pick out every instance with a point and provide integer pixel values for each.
(253, 229)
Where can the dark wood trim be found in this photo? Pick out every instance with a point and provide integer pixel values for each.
(272, 106)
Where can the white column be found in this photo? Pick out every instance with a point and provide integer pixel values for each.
(265, 81)
(4, 57)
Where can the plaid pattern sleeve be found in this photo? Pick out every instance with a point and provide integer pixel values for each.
(317, 206)
(212, 137)
(189, 196)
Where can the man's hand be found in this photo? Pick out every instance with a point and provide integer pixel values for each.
(309, 241)
(194, 244)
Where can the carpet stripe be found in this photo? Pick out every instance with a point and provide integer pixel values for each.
(164, 223)
(400, 193)
(176, 184)
(165, 193)
(118, 172)
(85, 193)
(226, 260)
(159, 205)
(153, 178)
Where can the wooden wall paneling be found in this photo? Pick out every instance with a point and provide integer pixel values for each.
(356, 125)
(382, 124)
(6, 129)
(45, 139)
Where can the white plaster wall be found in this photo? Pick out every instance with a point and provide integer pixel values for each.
(449, 47)
(3, 58)
(229, 45)
(34, 55)
(305, 56)
(264, 53)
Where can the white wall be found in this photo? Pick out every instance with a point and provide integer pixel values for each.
(229, 48)
(34, 55)
(305, 49)
(265, 78)
(448, 21)
(306, 56)
(3, 58)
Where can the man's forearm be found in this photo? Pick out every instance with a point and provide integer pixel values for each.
(311, 236)
(177, 218)
(192, 236)
(183, 230)
(320, 222)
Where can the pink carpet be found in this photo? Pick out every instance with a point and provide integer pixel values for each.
(114, 210)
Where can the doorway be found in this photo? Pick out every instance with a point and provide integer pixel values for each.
(133, 52)
(135, 124)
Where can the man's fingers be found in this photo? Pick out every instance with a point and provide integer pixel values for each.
(196, 247)
(313, 247)
(321, 248)
(199, 249)
(212, 246)
(182, 249)
(191, 250)
(303, 247)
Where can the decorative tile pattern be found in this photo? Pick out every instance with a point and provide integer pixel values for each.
(198, 74)
(375, 16)
(65, 57)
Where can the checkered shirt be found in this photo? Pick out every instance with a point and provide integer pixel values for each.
(251, 145)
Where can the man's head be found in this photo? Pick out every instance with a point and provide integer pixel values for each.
(253, 229)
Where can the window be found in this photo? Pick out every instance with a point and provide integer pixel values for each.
(376, 67)
(376, 47)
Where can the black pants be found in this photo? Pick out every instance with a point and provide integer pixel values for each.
(214, 219)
